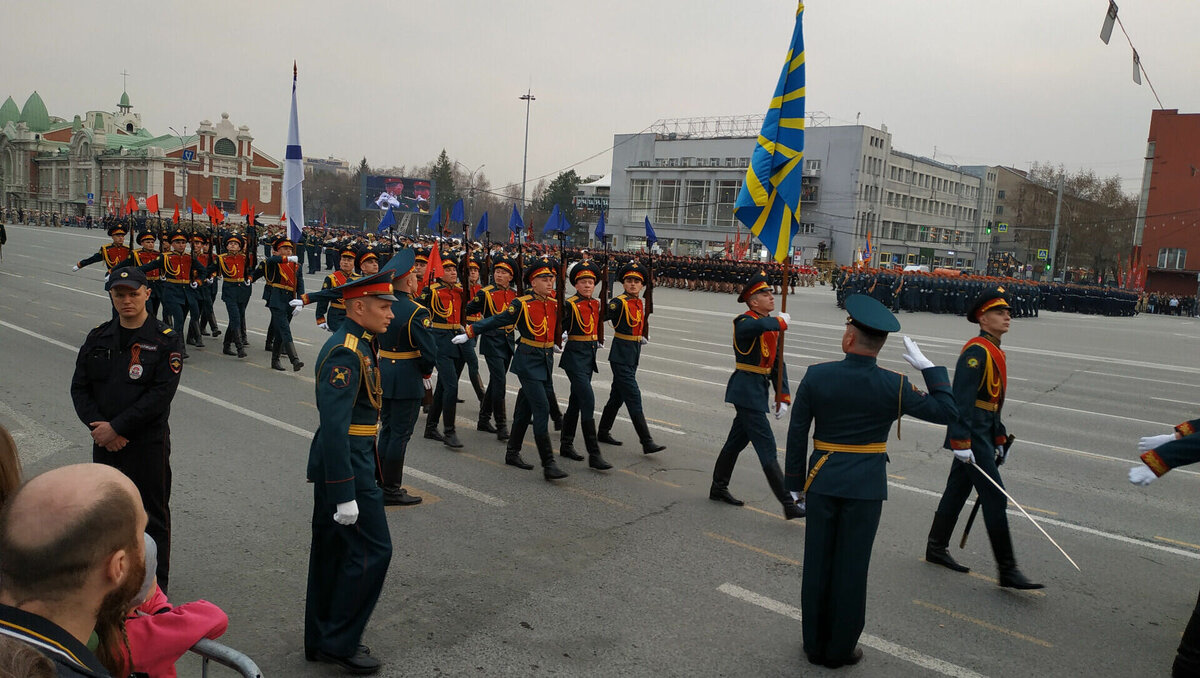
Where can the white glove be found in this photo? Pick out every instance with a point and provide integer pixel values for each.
(106, 277)
(564, 338)
(913, 355)
(643, 340)
(786, 318)
(966, 456)
(296, 260)
(797, 496)
(600, 344)
(460, 338)
(296, 311)
(249, 283)
(296, 303)
(74, 268)
(346, 513)
(323, 326)
(194, 284)
(780, 410)
(1141, 475)
(1152, 442)
(427, 382)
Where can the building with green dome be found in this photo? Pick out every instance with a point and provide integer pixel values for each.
(95, 162)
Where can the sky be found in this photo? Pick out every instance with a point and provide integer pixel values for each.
(396, 82)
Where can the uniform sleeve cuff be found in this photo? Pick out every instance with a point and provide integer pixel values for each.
(1185, 429)
(782, 324)
(1155, 462)
(785, 398)
(960, 444)
(1000, 440)
(470, 331)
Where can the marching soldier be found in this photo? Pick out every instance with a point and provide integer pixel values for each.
(980, 440)
(112, 253)
(584, 315)
(351, 545)
(628, 317)
(235, 292)
(146, 254)
(853, 402)
(443, 298)
(755, 342)
(535, 316)
(203, 292)
(472, 358)
(496, 345)
(180, 275)
(284, 294)
(330, 313)
(407, 356)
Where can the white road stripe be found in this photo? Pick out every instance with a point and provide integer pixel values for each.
(78, 291)
(649, 424)
(285, 426)
(885, 646)
(11, 274)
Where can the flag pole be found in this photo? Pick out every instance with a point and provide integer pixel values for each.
(783, 293)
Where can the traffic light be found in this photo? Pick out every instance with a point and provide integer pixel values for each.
(1047, 268)
(989, 229)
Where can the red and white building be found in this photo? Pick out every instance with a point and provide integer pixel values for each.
(1168, 224)
(100, 159)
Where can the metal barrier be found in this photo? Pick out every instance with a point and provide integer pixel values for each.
(211, 650)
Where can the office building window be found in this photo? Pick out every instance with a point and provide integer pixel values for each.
(1172, 257)
(696, 199)
(232, 188)
(727, 192)
(216, 182)
(639, 199)
(667, 201)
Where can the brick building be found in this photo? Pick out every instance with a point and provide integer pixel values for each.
(1168, 224)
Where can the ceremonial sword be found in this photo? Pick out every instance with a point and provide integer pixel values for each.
(1035, 523)
(1000, 457)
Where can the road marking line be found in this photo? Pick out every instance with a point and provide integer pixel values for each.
(199, 369)
(11, 274)
(427, 499)
(1129, 376)
(263, 334)
(1180, 543)
(72, 289)
(1095, 414)
(284, 426)
(993, 580)
(482, 459)
(1172, 400)
(676, 376)
(776, 516)
(894, 477)
(755, 549)
(256, 388)
(979, 622)
(306, 404)
(886, 646)
(52, 322)
(597, 496)
(653, 480)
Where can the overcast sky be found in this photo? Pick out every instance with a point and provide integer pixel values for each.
(396, 81)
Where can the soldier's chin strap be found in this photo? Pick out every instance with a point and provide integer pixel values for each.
(1035, 523)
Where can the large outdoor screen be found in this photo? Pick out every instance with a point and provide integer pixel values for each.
(403, 194)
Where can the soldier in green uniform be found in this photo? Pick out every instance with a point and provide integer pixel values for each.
(853, 403)
(284, 294)
(407, 355)
(1160, 454)
(351, 545)
(536, 318)
(331, 313)
(979, 439)
(496, 345)
(584, 318)
(444, 301)
(235, 292)
(755, 342)
(628, 316)
(112, 254)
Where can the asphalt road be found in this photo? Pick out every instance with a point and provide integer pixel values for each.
(634, 572)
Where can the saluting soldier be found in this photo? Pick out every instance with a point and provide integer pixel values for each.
(584, 316)
(535, 316)
(284, 294)
(443, 298)
(1160, 454)
(235, 292)
(853, 403)
(351, 545)
(497, 345)
(407, 356)
(628, 317)
(757, 363)
(112, 253)
(979, 439)
(330, 313)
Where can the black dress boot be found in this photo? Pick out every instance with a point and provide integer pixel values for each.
(939, 539)
(566, 445)
(550, 470)
(485, 416)
(225, 348)
(499, 410)
(194, 329)
(607, 418)
(241, 348)
(593, 446)
(392, 473)
(1010, 576)
(477, 382)
(722, 494)
(643, 433)
(791, 509)
(293, 356)
(450, 439)
(512, 455)
(275, 352)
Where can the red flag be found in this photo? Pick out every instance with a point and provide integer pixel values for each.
(512, 236)
(434, 269)
(131, 206)
(152, 203)
(244, 208)
(175, 219)
(208, 211)
(197, 208)
(283, 218)
(250, 215)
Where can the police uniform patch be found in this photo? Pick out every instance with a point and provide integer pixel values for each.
(339, 377)
(135, 371)
(972, 362)
(175, 360)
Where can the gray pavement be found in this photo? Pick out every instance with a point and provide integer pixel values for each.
(635, 572)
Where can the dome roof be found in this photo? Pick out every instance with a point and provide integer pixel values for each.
(9, 112)
(124, 100)
(34, 114)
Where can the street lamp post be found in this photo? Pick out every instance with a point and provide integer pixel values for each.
(470, 187)
(183, 162)
(527, 97)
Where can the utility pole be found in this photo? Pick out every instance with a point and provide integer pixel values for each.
(1054, 233)
(527, 97)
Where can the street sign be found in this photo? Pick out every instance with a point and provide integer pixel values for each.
(188, 155)
(91, 197)
(1043, 255)
(1002, 227)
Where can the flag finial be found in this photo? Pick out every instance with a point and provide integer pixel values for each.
(294, 71)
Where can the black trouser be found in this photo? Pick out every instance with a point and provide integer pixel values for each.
(838, 536)
(958, 489)
(346, 569)
(497, 387)
(398, 416)
(532, 406)
(148, 465)
(749, 427)
(581, 404)
(1187, 658)
(624, 391)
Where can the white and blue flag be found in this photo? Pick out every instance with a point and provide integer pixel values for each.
(293, 172)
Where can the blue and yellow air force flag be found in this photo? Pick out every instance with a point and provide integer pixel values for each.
(293, 172)
(769, 203)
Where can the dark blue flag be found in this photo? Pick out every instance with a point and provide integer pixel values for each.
(600, 227)
(456, 212)
(387, 221)
(435, 220)
(515, 223)
(481, 227)
(650, 237)
(552, 222)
